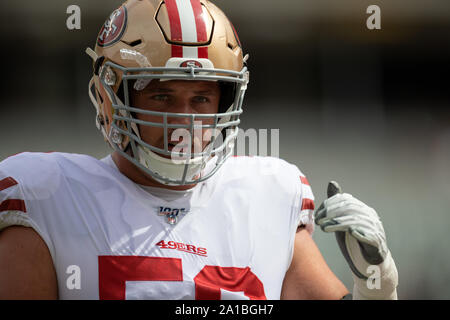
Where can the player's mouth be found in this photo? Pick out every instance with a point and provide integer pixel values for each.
(179, 147)
(176, 148)
(171, 146)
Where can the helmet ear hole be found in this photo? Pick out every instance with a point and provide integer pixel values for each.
(120, 94)
(227, 95)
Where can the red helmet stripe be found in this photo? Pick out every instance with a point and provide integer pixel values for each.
(174, 19)
(203, 52)
(177, 51)
(202, 35)
(175, 27)
(187, 24)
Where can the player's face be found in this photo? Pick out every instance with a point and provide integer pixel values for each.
(177, 96)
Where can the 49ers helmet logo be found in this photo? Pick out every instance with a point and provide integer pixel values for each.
(191, 64)
(113, 29)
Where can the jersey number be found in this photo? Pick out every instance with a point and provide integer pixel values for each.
(114, 271)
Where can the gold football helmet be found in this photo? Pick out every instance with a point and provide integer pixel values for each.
(168, 40)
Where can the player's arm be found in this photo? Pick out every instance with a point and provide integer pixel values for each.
(309, 277)
(26, 266)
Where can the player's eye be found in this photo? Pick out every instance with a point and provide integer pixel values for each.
(201, 99)
(160, 97)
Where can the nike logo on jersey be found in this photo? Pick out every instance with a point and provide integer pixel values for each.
(182, 247)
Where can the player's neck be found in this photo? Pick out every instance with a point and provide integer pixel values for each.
(136, 175)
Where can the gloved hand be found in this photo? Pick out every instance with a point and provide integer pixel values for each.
(362, 240)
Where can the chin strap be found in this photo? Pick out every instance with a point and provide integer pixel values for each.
(168, 168)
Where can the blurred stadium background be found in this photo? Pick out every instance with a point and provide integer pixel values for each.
(368, 108)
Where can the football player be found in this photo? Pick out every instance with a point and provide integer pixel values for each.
(170, 214)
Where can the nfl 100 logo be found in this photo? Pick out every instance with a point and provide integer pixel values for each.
(171, 214)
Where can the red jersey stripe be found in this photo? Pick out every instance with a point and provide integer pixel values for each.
(304, 180)
(307, 204)
(7, 183)
(13, 205)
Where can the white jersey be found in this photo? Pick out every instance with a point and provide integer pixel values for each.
(109, 238)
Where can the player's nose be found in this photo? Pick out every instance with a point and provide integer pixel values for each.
(181, 106)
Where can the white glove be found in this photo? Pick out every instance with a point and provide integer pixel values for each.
(362, 240)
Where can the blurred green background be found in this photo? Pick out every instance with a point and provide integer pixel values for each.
(367, 108)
